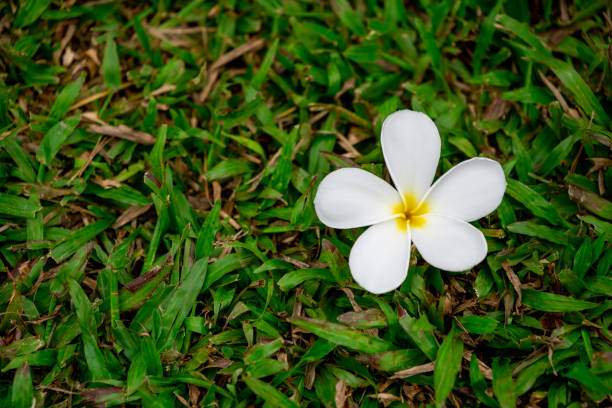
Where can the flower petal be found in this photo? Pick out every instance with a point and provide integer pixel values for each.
(411, 146)
(449, 243)
(379, 259)
(351, 198)
(469, 191)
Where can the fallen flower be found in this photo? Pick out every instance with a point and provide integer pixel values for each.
(434, 217)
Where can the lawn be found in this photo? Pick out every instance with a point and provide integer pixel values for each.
(159, 245)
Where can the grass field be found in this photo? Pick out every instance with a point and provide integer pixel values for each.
(158, 241)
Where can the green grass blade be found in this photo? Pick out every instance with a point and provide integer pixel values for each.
(343, 336)
(78, 238)
(485, 36)
(269, 394)
(110, 66)
(564, 71)
(66, 98)
(206, 237)
(87, 322)
(55, 138)
(29, 11)
(503, 385)
(539, 206)
(260, 76)
(478, 383)
(550, 302)
(425, 340)
(18, 206)
(22, 159)
(448, 364)
(23, 392)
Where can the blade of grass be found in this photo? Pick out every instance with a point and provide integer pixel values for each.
(503, 385)
(342, 335)
(447, 366)
(550, 302)
(18, 206)
(55, 138)
(89, 335)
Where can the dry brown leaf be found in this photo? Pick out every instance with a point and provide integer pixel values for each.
(107, 183)
(309, 375)
(213, 71)
(92, 54)
(497, 109)
(95, 97)
(163, 89)
(591, 201)
(131, 214)
(97, 149)
(137, 283)
(412, 371)
(340, 397)
(123, 132)
(570, 111)
(514, 280)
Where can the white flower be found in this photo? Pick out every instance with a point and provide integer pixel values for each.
(434, 217)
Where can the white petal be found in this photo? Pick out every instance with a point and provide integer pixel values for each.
(449, 243)
(351, 198)
(411, 146)
(380, 257)
(469, 191)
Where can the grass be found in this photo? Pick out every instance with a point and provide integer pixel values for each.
(158, 242)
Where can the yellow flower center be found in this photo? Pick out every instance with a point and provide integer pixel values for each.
(410, 213)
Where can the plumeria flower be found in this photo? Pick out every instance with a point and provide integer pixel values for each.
(433, 217)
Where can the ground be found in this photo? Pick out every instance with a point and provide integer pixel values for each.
(158, 242)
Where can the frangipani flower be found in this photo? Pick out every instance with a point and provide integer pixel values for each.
(434, 217)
